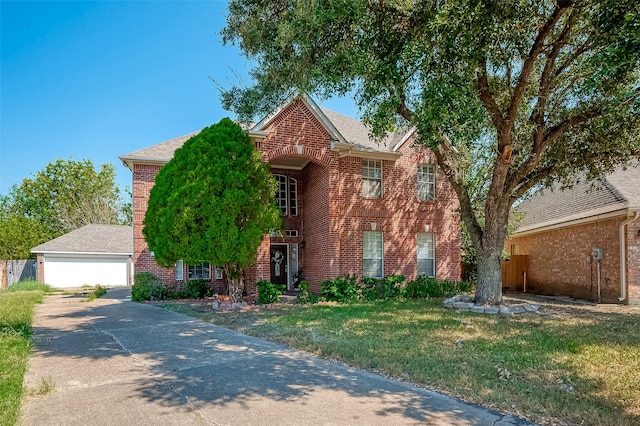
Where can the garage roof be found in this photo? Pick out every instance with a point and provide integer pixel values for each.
(112, 239)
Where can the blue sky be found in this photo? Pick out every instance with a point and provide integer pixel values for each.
(96, 80)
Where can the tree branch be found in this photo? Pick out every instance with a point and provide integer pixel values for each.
(486, 97)
(532, 56)
(451, 167)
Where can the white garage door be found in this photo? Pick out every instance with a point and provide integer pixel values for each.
(78, 271)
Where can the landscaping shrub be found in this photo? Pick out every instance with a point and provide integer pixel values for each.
(391, 287)
(145, 285)
(369, 289)
(416, 289)
(430, 287)
(269, 292)
(342, 289)
(195, 289)
(305, 296)
(382, 289)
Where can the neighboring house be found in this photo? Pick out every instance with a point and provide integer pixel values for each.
(93, 254)
(561, 229)
(350, 205)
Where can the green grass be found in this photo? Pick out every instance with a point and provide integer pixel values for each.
(16, 314)
(578, 364)
(96, 293)
(31, 286)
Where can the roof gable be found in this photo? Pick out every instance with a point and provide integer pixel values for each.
(112, 239)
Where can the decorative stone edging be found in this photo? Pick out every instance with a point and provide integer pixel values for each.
(463, 303)
(226, 305)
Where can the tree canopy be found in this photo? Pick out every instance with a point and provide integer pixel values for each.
(62, 197)
(510, 94)
(212, 202)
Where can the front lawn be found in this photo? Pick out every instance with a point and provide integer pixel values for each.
(565, 364)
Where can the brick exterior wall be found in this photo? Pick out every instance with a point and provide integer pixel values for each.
(332, 214)
(633, 261)
(560, 262)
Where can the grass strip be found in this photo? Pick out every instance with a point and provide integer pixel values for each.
(16, 314)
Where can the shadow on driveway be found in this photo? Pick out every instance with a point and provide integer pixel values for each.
(112, 362)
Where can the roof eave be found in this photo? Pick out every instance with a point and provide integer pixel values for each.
(566, 222)
(129, 160)
(75, 253)
(348, 150)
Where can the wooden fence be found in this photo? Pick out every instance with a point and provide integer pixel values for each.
(514, 273)
(13, 271)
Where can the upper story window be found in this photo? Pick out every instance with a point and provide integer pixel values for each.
(281, 194)
(287, 195)
(293, 196)
(426, 182)
(372, 178)
(200, 272)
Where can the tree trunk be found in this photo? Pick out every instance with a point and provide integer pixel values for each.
(235, 282)
(489, 285)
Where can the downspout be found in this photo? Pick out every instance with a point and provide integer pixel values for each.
(623, 258)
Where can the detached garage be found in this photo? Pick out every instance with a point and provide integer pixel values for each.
(93, 254)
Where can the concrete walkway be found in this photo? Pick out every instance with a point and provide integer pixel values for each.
(113, 362)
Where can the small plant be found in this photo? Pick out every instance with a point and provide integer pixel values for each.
(342, 289)
(145, 285)
(305, 296)
(99, 291)
(269, 292)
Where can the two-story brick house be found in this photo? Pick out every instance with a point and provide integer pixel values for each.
(350, 205)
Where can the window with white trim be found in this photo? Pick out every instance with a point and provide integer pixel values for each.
(200, 272)
(293, 196)
(281, 194)
(426, 182)
(372, 254)
(179, 270)
(372, 178)
(219, 273)
(426, 254)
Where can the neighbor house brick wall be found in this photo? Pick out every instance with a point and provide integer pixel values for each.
(560, 262)
(633, 260)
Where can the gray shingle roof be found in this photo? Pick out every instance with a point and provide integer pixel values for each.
(617, 191)
(161, 152)
(353, 131)
(92, 239)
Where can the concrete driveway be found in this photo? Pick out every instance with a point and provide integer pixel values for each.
(113, 362)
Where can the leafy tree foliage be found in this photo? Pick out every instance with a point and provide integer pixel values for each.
(18, 235)
(213, 202)
(60, 198)
(510, 94)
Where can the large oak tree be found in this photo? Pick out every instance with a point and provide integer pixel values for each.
(510, 94)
